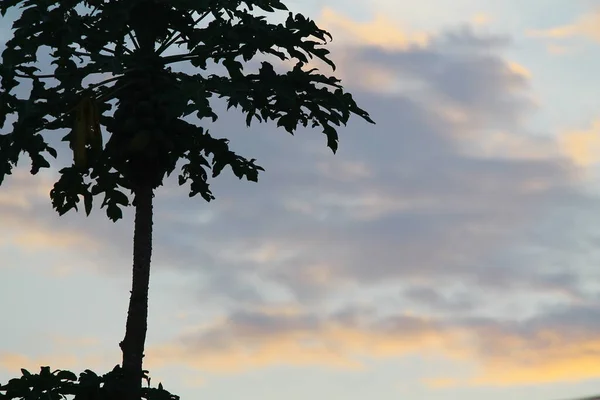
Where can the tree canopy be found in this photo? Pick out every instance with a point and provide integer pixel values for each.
(148, 132)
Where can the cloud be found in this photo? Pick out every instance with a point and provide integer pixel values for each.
(560, 346)
(300, 339)
(66, 242)
(425, 198)
(445, 72)
(557, 346)
(22, 196)
(13, 362)
(563, 39)
(441, 383)
(585, 26)
(440, 300)
(559, 50)
(67, 352)
(481, 19)
(380, 31)
(75, 342)
(583, 146)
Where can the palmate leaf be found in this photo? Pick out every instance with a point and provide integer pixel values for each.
(63, 384)
(90, 38)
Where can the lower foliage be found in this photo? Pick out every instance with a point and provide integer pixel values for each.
(61, 384)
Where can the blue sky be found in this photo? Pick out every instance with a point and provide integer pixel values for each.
(449, 251)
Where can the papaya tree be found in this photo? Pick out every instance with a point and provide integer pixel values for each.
(142, 105)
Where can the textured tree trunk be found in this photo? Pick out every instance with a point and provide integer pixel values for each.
(132, 345)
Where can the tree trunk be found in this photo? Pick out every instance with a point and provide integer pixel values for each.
(132, 345)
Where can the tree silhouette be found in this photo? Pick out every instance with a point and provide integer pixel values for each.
(148, 134)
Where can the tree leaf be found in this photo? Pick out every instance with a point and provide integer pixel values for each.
(87, 203)
(114, 213)
(119, 198)
(66, 375)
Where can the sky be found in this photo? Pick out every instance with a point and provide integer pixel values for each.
(449, 251)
